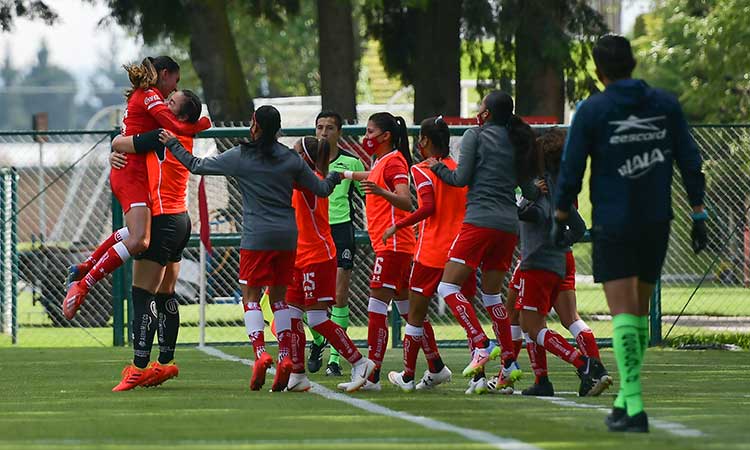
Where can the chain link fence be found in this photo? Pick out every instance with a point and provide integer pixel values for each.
(57, 207)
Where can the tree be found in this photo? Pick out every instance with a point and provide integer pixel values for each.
(213, 49)
(697, 50)
(550, 43)
(30, 9)
(337, 56)
(421, 45)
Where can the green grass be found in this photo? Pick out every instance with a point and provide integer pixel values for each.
(60, 398)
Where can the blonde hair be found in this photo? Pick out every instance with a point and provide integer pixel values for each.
(142, 76)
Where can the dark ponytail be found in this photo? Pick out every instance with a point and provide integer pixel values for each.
(529, 160)
(436, 130)
(268, 120)
(318, 153)
(385, 121)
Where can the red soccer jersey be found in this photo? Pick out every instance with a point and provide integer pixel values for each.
(387, 172)
(147, 111)
(314, 241)
(437, 232)
(168, 181)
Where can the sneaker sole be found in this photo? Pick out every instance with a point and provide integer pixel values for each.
(600, 386)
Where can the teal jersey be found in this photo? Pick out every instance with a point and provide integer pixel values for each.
(339, 203)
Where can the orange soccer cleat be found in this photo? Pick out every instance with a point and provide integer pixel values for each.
(259, 371)
(132, 377)
(74, 299)
(157, 373)
(283, 370)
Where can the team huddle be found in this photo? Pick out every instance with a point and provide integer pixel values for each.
(509, 188)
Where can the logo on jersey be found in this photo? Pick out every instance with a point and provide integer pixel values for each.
(346, 254)
(648, 131)
(639, 165)
(151, 98)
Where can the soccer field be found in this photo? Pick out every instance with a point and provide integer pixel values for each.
(60, 398)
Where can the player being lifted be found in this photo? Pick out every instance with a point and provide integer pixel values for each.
(155, 271)
(633, 134)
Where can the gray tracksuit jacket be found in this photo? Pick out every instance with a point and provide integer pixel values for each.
(266, 184)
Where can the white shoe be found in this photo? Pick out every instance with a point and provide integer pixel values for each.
(397, 379)
(298, 382)
(478, 387)
(368, 386)
(430, 380)
(361, 371)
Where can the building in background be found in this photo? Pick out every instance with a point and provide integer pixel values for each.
(612, 12)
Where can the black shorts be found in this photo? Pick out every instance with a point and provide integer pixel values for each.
(343, 237)
(169, 236)
(637, 251)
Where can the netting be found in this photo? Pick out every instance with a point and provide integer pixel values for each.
(57, 206)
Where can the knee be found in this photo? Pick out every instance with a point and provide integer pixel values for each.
(138, 244)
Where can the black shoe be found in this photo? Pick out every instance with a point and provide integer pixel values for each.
(333, 370)
(315, 361)
(615, 415)
(594, 378)
(540, 390)
(636, 424)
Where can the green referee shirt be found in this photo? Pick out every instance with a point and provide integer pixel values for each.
(339, 203)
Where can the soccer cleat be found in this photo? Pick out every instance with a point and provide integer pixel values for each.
(361, 371)
(132, 377)
(479, 357)
(495, 351)
(158, 373)
(368, 386)
(594, 378)
(506, 379)
(260, 367)
(298, 382)
(333, 370)
(315, 360)
(635, 424)
(477, 386)
(74, 299)
(281, 379)
(615, 415)
(430, 380)
(397, 379)
(544, 389)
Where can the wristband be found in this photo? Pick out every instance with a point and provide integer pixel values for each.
(348, 174)
(703, 215)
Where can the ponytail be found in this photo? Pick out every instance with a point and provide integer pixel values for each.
(399, 134)
(529, 160)
(317, 152)
(268, 120)
(142, 76)
(436, 130)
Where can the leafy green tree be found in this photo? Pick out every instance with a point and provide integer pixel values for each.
(698, 50)
(30, 9)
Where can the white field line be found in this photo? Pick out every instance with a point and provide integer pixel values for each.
(432, 424)
(677, 429)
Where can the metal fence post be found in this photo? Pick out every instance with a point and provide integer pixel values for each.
(118, 283)
(395, 326)
(655, 338)
(14, 253)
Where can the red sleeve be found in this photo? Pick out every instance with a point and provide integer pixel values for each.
(161, 113)
(426, 195)
(395, 173)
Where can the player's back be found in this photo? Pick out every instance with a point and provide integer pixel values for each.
(314, 241)
(438, 231)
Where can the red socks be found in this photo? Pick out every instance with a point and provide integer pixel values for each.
(557, 345)
(297, 348)
(463, 312)
(377, 330)
(413, 338)
(336, 336)
(538, 359)
(112, 259)
(493, 303)
(114, 238)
